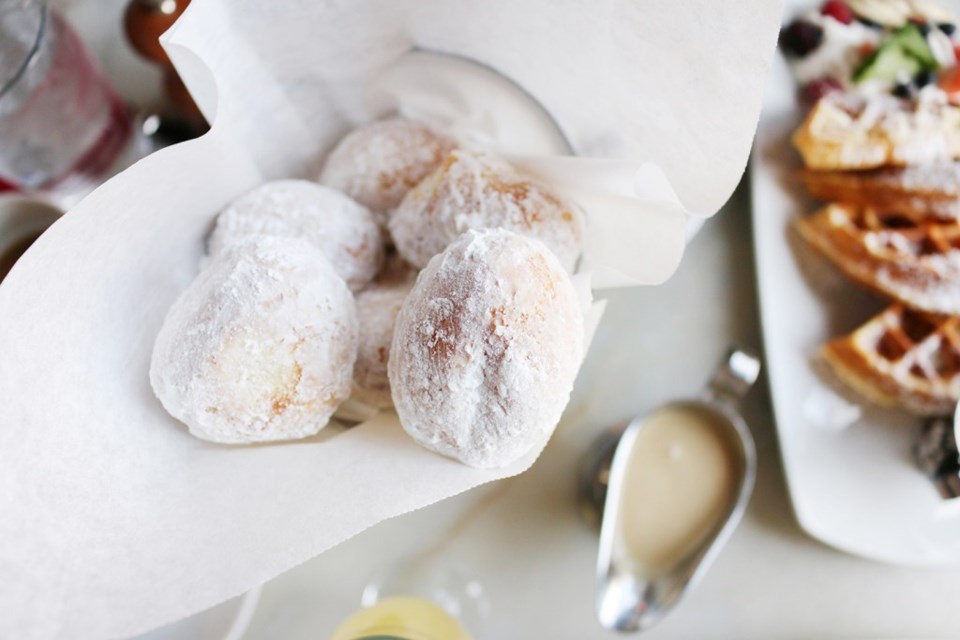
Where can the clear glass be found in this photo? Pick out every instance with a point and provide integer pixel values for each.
(434, 577)
(63, 128)
(401, 618)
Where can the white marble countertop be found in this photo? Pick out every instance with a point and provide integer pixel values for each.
(523, 537)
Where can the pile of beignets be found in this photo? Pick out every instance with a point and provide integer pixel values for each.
(413, 274)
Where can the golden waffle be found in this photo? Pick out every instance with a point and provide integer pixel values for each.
(916, 191)
(902, 358)
(883, 132)
(914, 261)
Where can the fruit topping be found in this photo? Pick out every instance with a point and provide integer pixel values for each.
(911, 40)
(837, 10)
(903, 90)
(947, 27)
(949, 82)
(800, 38)
(905, 53)
(924, 78)
(816, 89)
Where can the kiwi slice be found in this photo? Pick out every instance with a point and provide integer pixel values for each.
(904, 53)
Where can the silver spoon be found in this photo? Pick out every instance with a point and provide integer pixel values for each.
(630, 596)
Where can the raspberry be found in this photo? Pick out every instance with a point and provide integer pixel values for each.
(837, 10)
(801, 37)
(816, 89)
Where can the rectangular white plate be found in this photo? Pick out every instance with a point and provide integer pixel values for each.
(856, 488)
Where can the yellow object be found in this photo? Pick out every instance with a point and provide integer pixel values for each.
(401, 618)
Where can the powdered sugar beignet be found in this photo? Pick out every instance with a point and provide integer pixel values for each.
(260, 346)
(470, 191)
(342, 229)
(377, 308)
(486, 348)
(377, 164)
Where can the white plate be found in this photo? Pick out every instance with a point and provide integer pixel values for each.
(857, 488)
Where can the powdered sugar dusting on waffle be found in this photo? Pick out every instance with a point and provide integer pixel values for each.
(881, 131)
(929, 191)
(379, 163)
(940, 178)
(260, 347)
(921, 367)
(486, 348)
(941, 292)
(915, 261)
(342, 229)
(481, 192)
(902, 357)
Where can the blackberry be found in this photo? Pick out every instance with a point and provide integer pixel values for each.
(800, 38)
(903, 90)
(924, 78)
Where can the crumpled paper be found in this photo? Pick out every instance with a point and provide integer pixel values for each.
(113, 520)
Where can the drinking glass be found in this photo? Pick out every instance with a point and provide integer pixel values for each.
(63, 128)
(450, 584)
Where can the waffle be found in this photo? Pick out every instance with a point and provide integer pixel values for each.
(881, 133)
(901, 358)
(916, 262)
(915, 191)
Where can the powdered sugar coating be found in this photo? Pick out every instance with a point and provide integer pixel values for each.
(260, 346)
(342, 229)
(486, 348)
(482, 192)
(929, 282)
(379, 163)
(377, 309)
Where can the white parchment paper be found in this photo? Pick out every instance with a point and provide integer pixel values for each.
(113, 520)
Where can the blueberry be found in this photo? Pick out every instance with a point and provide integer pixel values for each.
(903, 90)
(947, 27)
(924, 78)
(869, 23)
(800, 38)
